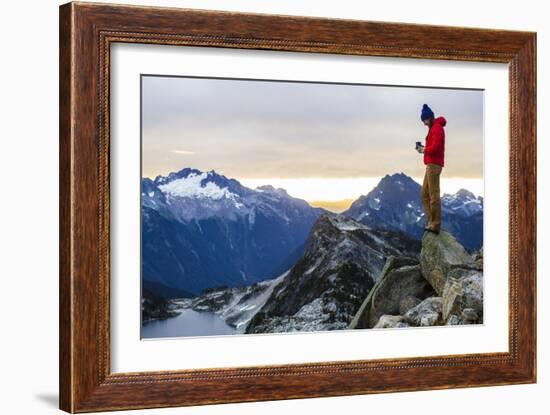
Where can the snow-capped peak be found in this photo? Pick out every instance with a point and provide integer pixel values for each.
(196, 185)
(463, 202)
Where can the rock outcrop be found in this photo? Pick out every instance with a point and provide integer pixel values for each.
(478, 258)
(388, 322)
(463, 296)
(427, 313)
(444, 288)
(400, 285)
(441, 253)
(155, 307)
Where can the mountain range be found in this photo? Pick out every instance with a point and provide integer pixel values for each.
(395, 204)
(201, 230)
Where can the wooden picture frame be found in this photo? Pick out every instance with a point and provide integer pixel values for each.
(86, 33)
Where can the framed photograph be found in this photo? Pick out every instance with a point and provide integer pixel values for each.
(258, 207)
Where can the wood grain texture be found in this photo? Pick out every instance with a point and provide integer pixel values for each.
(86, 33)
(65, 247)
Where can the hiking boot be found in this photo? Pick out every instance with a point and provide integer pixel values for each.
(428, 229)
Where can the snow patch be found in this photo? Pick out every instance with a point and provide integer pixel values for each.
(347, 226)
(191, 186)
(252, 218)
(375, 203)
(314, 266)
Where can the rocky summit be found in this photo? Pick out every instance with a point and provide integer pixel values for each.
(445, 287)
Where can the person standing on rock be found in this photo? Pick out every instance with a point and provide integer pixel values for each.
(434, 151)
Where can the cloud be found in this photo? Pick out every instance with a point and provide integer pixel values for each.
(186, 152)
(262, 129)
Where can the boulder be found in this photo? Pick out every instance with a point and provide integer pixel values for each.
(407, 303)
(396, 286)
(440, 253)
(469, 316)
(394, 262)
(478, 258)
(463, 291)
(451, 299)
(399, 288)
(361, 318)
(387, 322)
(427, 313)
(453, 321)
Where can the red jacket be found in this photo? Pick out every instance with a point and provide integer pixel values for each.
(434, 151)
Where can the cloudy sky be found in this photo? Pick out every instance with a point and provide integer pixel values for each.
(322, 142)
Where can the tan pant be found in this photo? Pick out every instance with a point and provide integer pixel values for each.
(430, 196)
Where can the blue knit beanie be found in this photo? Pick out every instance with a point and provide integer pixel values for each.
(426, 112)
